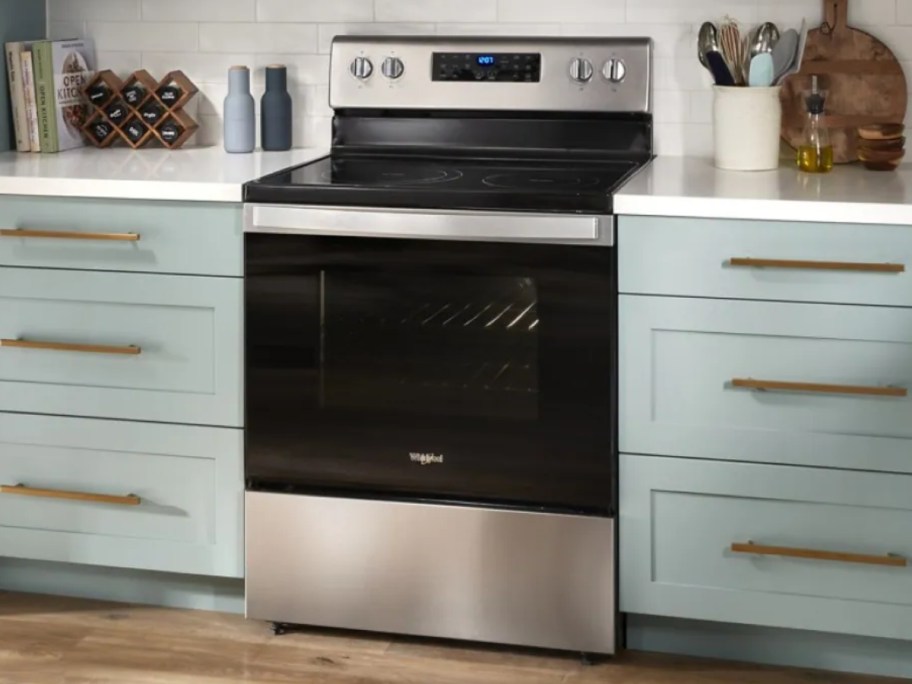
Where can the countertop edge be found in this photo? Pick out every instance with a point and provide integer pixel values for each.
(163, 191)
(810, 211)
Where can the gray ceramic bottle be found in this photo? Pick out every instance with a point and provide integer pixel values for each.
(275, 110)
(240, 112)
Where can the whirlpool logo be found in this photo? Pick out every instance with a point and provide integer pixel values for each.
(425, 459)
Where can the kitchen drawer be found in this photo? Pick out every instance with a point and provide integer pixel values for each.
(693, 257)
(155, 237)
(169, 348)
(188, 482)
(679, 519)
(682, 361)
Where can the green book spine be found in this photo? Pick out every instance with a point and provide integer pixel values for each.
(44, 94)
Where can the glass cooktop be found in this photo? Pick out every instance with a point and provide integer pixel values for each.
(507, 185)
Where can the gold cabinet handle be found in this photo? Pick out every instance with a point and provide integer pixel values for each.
(68, 235)
(890, 560)
(818, 388)
(747, 262)
(130, 350)
(22, 490)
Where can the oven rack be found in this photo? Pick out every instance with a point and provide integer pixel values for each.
(486, 315)
(517, 376)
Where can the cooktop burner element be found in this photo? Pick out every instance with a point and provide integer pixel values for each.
(544, 180)
(387, 174)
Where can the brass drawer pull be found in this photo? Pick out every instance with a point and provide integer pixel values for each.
(817, 388)
(817, 265)
(66, 346)
(890, 560)
(68, 235)
(22, 490)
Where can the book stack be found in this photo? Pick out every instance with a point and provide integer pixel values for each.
(46, 80)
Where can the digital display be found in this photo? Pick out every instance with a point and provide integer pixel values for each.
(487, 67)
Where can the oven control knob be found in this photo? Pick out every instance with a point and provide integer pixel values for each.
(393, 68)
(581, 70)
(615, 70)
(362, 68)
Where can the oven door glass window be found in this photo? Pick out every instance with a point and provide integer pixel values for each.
(416, 345)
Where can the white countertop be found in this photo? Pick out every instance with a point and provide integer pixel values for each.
(691, 186)
(203, 174)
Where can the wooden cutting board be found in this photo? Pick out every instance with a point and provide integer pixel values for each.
(861, 77)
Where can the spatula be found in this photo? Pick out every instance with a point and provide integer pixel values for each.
(762, 71)
(784, 53)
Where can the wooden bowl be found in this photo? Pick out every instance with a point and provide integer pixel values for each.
(881, 145)
(881, 131)
(881, 160)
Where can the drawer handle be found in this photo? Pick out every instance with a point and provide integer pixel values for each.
(746, 262)
(817, 388)
(817, 265)
(22, 490)
(890, 560)
(68, 235)
(67, 346)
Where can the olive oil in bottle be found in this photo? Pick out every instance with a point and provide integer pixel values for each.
(815, 153)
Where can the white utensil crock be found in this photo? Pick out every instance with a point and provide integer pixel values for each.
(747, 123)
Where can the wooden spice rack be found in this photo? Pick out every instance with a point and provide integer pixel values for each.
(139, 110)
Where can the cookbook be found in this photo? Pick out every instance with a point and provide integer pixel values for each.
(62, 69)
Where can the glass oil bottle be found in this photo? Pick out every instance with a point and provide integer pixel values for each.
(815, 154)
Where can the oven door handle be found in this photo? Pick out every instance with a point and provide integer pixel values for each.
(430, 225)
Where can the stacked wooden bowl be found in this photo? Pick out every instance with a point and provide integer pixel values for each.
(881, 147)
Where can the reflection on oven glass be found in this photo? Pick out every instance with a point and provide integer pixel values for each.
(464, 346)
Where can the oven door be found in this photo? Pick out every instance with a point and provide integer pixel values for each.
(432, 369)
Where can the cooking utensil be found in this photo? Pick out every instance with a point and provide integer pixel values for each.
(863, 79)
(707, 41)
(733, 50)
(761, 39)
(785, 53)
(761, 71)
(719, 69)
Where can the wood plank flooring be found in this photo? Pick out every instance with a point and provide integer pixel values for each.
(53, 640)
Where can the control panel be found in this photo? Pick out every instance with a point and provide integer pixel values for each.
(495, 73)
(486, 66)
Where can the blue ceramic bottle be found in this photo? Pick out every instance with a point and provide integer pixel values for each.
(240, 112)
(276, 110)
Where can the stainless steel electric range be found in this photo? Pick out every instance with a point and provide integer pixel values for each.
(431, 334)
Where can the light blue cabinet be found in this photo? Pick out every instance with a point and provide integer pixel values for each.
(679, 519)
(189, 481)
(121, 366)
(186, 332)
(829, 263)
(766, 401)
(681, 359)
(191, 238)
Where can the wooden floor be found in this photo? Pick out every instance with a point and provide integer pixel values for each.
(52, 640)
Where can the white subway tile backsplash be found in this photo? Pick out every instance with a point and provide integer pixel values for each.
(206, 37)
(436, 10)
(258, 37)
(315, 10)
(102, 10)
(578, 11)
(198, 10)
(144, 36)
(64, 30)
(329, 31)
